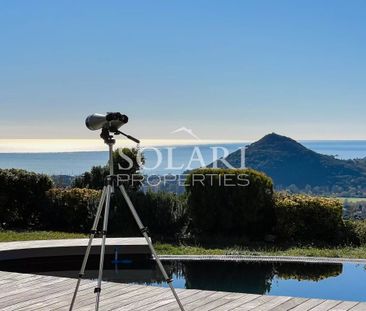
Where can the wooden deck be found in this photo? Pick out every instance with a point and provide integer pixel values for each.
(36, 292)
(69, 247)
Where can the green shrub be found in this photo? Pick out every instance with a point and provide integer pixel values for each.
(70, 209)
(95, 179)
(355, 231)
(219, 210)
(22, 194)
(165, 214)
(307, 218)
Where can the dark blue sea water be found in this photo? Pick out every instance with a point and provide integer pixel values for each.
(74, 163)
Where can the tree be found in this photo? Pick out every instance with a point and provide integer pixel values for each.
(125, 164)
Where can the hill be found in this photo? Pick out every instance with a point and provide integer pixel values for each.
(289, 163)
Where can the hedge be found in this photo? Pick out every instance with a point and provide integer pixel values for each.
(307, 218)
(219, 210)
(70, 210)
(209, 209)
(22, 194)
(74, 210)
(298, 218)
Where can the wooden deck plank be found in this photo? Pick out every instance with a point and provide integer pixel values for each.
(224, 301)
(32, 292)
(18, 284)
(125, 292)
(290, 304)
(63, 295)
(118, 297)
(273, 303)
(186, 300)
(359, 307)
(168, 300)
(47, 302)
(208, 300)
(345, 306)
(237, 302)
(308, 305)
(142, 301)
(86, 292)
(20, 300)
(143, 297)
(164, 299)
(326, 305)
(63, 298)
(26, 292)
(253, 304)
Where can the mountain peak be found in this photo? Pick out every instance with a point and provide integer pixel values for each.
(279, 142)
(275, 136)
(288, 162)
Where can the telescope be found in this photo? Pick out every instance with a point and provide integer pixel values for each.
(110, 121)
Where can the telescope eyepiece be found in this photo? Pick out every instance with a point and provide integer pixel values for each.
(113, 116)
(111, 121)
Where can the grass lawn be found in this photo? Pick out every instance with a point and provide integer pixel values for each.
(345, 251)
(8, 236)
(170, 249)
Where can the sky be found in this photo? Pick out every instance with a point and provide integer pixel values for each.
(228, 70)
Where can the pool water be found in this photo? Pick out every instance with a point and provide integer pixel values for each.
(326, 281)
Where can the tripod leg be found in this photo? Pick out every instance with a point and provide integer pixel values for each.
(87, 252)
(145, 234)
(98, 288)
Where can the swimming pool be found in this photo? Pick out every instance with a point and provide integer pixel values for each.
(327, 281)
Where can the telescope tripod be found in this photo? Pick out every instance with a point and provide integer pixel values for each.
(104, 203)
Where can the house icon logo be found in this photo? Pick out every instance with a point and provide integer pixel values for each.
(186, 130)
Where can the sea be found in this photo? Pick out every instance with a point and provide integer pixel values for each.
(174, 159)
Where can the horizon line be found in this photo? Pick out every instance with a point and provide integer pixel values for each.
(44, 145)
